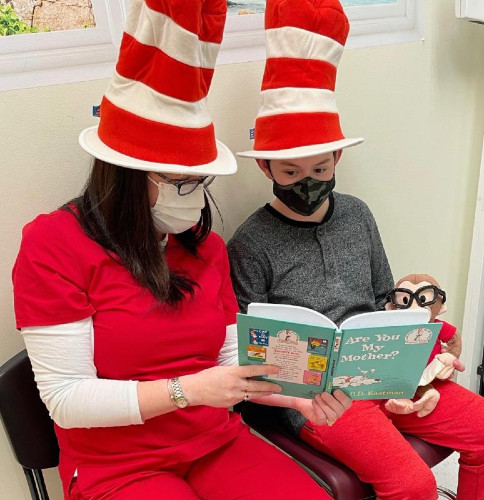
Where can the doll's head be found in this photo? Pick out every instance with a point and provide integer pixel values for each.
(418, 290)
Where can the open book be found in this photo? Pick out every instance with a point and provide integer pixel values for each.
(376, 355)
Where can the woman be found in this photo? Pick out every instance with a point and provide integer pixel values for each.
(124, 324)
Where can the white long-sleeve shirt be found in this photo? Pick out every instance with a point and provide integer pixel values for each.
(62, 358)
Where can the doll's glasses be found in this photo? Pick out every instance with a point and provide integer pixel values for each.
(402, 298)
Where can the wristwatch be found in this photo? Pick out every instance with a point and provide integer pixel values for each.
(176, 393)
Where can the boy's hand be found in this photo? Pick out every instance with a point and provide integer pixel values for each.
(325, 408)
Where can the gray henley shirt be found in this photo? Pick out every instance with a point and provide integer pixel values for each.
(337, 267)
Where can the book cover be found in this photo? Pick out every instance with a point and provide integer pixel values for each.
(378, 355)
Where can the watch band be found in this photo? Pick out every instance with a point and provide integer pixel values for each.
(176, 393)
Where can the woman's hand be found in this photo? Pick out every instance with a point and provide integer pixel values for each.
(224, 386)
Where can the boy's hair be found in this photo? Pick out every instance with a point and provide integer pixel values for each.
(268, 162)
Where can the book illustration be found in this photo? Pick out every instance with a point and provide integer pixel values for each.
(317, 363)
(259, 337)
(375, 355)
(256, 353)
(356, 380)
(312, 378)
(418, 336)
(288, 336)
(337, 343)
(317, 346)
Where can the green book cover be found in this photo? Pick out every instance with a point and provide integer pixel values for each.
(378, 355)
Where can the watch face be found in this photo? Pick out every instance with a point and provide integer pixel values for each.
(181, 402)
(177, 396)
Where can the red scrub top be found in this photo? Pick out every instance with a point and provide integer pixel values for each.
(62, 276)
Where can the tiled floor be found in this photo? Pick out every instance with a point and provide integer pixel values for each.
(446, 472)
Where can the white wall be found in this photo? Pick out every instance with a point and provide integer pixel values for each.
(420, 107)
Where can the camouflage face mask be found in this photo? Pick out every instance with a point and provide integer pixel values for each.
(305, 196)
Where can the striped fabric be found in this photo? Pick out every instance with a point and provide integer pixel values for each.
(304, 44)
(155, 107)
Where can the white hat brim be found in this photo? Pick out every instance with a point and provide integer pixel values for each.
(302, 151)
(224, 164)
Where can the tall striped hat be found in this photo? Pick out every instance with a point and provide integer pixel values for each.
(297, 116)
(154, 113)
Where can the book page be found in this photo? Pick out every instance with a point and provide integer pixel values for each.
(383, 361)
(387, 318)
(286, 312)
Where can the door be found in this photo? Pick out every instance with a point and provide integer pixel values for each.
(473, 324)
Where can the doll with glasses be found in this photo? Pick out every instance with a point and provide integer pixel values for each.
(422, 290)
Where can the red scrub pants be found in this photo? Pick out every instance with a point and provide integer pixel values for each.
(367, 439)
(247, 468)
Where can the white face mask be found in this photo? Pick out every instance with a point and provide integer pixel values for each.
(173, 213)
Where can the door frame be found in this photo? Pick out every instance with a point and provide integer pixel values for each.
(473, 323)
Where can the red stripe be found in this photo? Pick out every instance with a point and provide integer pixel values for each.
(205, 18)
(287, 72)
(292, 130)
(325, 17)
(152, 141)
(161, 72)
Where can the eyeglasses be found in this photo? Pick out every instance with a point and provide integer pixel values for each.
(187, 186)
(402, 298)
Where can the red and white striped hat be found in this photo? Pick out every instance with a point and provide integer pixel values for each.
(297, 115)
(154, 113)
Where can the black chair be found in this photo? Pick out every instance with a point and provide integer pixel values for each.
(480, 372)
(27, 423)
(340, 481)
(30, 431)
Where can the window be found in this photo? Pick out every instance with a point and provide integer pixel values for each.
(61, 56)
(70, 55)
(373, 22)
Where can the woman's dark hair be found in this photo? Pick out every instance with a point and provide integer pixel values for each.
(114, 211)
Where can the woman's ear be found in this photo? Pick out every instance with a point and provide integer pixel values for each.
(264, 166)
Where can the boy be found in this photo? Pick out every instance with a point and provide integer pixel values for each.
(316, 248)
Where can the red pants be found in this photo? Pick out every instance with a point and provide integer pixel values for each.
(247, 468)
(367, 439)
